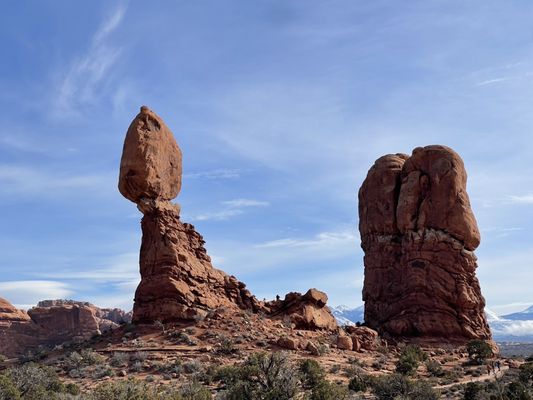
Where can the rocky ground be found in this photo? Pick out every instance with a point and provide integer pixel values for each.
(174, 355)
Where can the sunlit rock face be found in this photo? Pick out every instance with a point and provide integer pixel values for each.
(178, 281)
(419, 234)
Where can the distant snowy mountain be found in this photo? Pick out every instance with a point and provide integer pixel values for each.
(348, 316)
(526, 315)
(516, 327)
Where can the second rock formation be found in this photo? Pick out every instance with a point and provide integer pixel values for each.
(419, 234)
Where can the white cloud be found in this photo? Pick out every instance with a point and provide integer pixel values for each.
(222, 173)
(520, 199)
(515, 328)
(25, 180)
(24, 293)
(239, 203)
(79, 86)
(324, 240)
(231, 209)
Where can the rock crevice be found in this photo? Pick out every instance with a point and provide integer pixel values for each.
(419, 234)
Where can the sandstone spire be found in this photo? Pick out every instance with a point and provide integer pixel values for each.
(419, 234)
(178, 281)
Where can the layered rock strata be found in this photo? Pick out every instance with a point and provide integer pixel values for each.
(178, 281)
(419, 233)
(52, 322)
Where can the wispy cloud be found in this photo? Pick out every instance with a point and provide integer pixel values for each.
(80, 84)
(25, 180)
(231, 209)
(322, 240)
(27, 293)
(221, 173)
(520, 199)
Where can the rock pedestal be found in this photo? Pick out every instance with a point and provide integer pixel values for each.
(419, 234)
(178, 281)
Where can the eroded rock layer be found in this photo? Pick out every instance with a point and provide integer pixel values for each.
(419, 234)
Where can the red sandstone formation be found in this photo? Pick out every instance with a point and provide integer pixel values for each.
(178, 281)
(52, 322)
(308, 312)
(418, 233)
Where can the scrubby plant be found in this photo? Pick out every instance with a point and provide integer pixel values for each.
(195, 391)
(409, 359)
(397, 386)
(312, 373)
(119, 359)
(328, 391)
(261, 377)
(434, 368)
(517, 391)
(478, 351)
(526, 373)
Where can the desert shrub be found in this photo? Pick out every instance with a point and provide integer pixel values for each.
(421, 390)
(312, 373)
(434, 368)
(323, 349)
(359, 382)
(409, 359)
(526, 373)
(119, 359)
(390, 387)
(328, 391)
(90, 357)
(34, 382)
(140, 356)
(192, 367)
(261, 377)
(517, 391)
(131, 389)
(102, 371)
(173, 367)
(8, 390)
(472, 391)
(195, 391)
(478, 351)
(227, 346)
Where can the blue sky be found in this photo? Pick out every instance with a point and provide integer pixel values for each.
(280, 108)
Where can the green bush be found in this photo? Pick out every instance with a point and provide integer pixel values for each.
(261, 377)
(478, 351)
(359, 383)
(472, 391)
(312, 373)
(526, 373)
(421, 390)
(390, 387)
(328, 391)
(195, 391)
(517, 391)
(8, 390)
(434, 368)
(409, 359)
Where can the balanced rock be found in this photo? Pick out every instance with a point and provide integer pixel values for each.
(151, 160)
(178, 281)
(418, 233)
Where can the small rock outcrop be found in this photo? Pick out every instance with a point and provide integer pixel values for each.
(419, 234)
(308, 311)
(178, 281)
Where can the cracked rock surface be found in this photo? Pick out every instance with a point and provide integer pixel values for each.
(419, 233)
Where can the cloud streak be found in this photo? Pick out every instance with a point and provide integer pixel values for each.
(80, 84)
(232, 208)
(28, 293)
